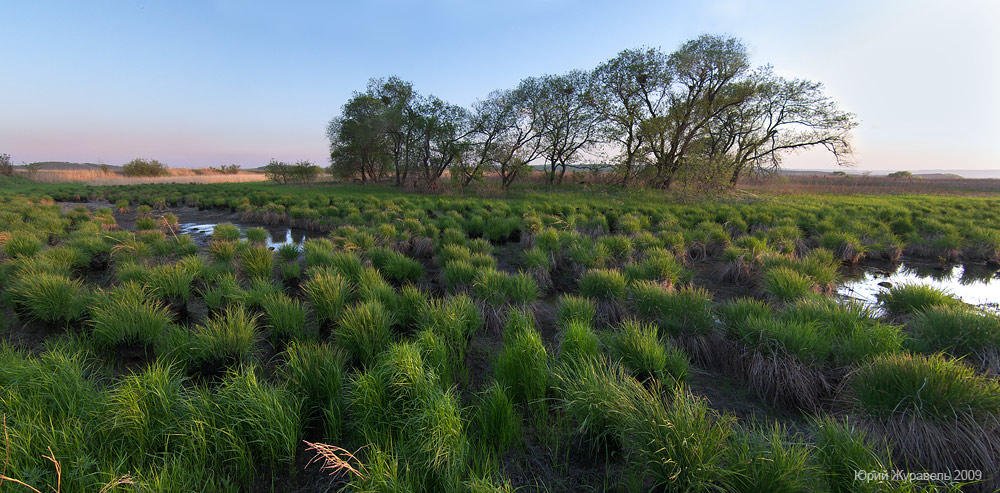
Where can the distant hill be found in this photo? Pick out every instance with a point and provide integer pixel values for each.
(64, 166)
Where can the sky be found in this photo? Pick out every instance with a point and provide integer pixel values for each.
(210, 82)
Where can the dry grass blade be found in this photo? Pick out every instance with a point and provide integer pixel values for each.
(119, 481)
(335, 459)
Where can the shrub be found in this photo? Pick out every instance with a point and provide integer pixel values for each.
(365, 330)
(125, 315)
(144, 167)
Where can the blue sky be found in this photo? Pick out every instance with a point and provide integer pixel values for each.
(198, 83)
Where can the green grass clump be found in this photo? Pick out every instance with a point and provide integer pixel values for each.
(930, 387)
(48, 297)
(144, 411)
(316, 374)
(289, 252)
(522, 365)
(458, 275)
(257, 262)
(257, 235)
(578, 341)
(127, 314)
(675, 445)
(659, 265)
(521, 288)
(803, 339)
(603, 284)
(364, 331)
(908, 299)
(398, 267)
(637, 347)
(22, 244)
(496, 420)
(286, 317)
(771, 460)
(327, 292)
(575, 309)
(454, 252)
(956, 330)
(171, 282)
(222, 252)
(257, 421)
(145, 224)
(841, 450)
(225, 232)
(225, 339)
(685, 311)
(784, 284)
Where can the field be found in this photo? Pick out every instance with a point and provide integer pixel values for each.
(580, 339)
(176, 175)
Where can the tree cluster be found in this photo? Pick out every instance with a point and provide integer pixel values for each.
(230, 169)
(301, 171)
(6, 168)
(701, 113)
(144, 167)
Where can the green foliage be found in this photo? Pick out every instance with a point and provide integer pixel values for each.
(908, 299)
(522, 365)
(930, 387)
(48, 297)
(364, 331)
(225, 339)
(144, 167)
(686, 311)
(957, 330)
(603, 284)
(327, 293)
(316, 375)
(22, 244)
(637, 347)
(496, 419)
(127, 314)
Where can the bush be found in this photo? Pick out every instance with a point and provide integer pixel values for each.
(144, 167)
(301, 171)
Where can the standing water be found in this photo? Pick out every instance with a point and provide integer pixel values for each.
(277, 236)
(976, 284)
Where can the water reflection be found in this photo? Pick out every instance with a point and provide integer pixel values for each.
(276, 236)
(976, 284)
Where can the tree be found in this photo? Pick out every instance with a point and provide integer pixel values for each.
(630, 89)
(504, 133)
(777, 116)
(565, 118)
(441, 129)
(6, 169)
(901, 175)
(700, 73)
(144, 167)
(358, 141)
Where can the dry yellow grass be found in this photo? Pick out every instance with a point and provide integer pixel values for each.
(177, 175)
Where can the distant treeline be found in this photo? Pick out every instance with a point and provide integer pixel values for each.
(700, 114)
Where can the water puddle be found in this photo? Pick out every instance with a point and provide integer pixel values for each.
(976, 284)
(276, 235)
